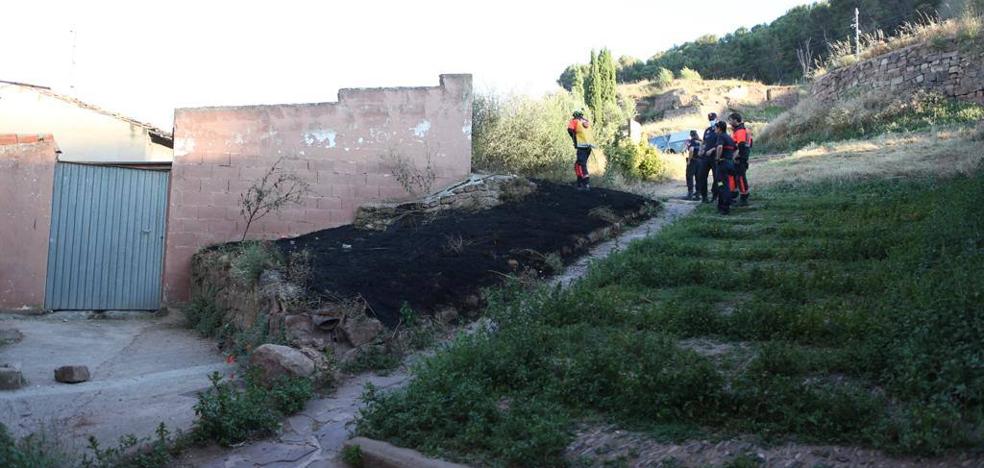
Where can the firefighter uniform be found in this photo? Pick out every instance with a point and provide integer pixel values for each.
(579, 130)
(725, 171)
(744, 142)
(705, 163)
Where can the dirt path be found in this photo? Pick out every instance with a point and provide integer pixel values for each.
(313, 437)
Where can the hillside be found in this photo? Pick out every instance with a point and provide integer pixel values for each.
(685, 104)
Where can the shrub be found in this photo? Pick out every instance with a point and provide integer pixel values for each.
(251, 259)
(228, 415)
(203, 314)
(663, 78)
(688, 74)
(637, 161)
(521, 135)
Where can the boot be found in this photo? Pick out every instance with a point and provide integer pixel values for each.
(587, 184)
(743, 200)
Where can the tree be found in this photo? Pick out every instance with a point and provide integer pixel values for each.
(276, 189)
(592, 85)
(577, 86)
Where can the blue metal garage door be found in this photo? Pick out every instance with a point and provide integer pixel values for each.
(106, 248)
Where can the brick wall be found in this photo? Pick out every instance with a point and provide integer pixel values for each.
(27, 167)
(950, 67)
(344, 150)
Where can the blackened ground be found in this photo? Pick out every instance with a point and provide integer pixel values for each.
(417, 262)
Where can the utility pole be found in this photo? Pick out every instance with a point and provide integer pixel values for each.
(857, 34)
(71, 70)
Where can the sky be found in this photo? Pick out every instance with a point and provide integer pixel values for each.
(145, 58)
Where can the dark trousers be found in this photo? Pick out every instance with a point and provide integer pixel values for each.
(581, 166)
(703, 168)
(691, 174)
(741, 178)
(725, 184)
(715, 178)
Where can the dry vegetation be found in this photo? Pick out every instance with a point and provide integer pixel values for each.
(893, 156)
(966, 28)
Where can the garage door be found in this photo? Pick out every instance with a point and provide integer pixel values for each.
(106, 247)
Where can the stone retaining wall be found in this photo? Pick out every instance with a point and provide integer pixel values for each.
(479, 192)
(951, 67)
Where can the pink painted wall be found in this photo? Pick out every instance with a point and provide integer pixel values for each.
(27, 166)
(342, 149)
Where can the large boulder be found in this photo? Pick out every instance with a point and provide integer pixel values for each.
(11, 377)
(276, 361)
(72, 374)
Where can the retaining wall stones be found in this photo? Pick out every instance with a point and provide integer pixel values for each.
(952, 67)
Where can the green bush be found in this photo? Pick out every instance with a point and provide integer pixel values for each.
(228, 415)
(663, 78)
(252, 258)
(523, 135)
(688, 74)
(636, 161)
(203, 314)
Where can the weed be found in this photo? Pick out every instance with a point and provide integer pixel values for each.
(299, 267)
(455, 245)
(228, 415)
(129, 452)
(554, 263)
(373, 358)
(251, 259)
(415, 180)
(352, 456)
(38, 450)
(203, 314)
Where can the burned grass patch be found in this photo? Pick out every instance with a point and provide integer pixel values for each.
(447, 260)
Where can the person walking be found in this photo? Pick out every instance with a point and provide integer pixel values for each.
(580, 131)
(692, 149)
(725, 170)
(705, 160)
(744, 142)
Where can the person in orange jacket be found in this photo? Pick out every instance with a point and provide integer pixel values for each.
(743, 140)
(580, 131)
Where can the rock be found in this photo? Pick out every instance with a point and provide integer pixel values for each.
(298, 326)
(72, 374)
(276, 361)
(328, 318)
(360, 329)
(11, 377)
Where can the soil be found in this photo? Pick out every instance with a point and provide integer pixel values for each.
(607, 445)
(431, 262)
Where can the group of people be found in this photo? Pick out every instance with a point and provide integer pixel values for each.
(725, 157)
(722, 155)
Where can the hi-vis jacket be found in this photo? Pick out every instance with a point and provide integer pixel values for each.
(580, 133)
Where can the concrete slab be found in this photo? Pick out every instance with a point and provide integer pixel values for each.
(143, 372)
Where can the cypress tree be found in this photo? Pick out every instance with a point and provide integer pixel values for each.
(592, 94)
(577, 86)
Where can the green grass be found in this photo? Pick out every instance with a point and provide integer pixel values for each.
(849, 314)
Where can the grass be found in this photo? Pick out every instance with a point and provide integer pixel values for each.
(863, 116)
(848, 312)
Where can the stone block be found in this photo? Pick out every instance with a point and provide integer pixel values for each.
(384, 455)
(11, 377)
(72, 374)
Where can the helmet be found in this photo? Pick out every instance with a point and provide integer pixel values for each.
(578, 114)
